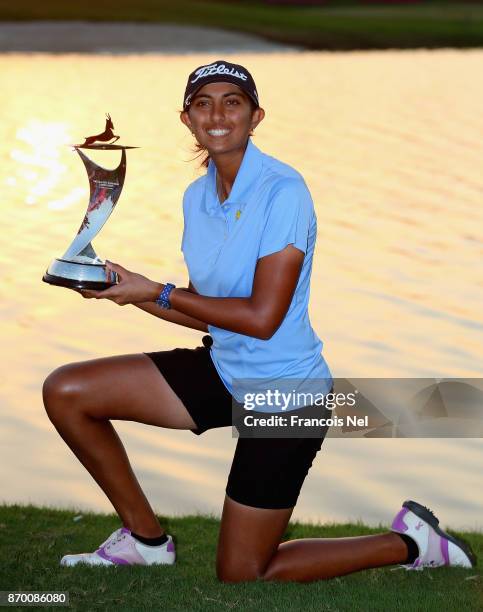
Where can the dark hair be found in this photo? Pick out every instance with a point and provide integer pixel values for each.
(199, 149)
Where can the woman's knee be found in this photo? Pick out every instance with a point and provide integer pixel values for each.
(249, 538)
(239, 571)
(61, 388)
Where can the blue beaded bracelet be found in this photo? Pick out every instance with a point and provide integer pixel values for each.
(163, 298)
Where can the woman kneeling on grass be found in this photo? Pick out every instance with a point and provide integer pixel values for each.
(248, 242)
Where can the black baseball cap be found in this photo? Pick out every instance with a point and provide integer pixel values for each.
(216, 72)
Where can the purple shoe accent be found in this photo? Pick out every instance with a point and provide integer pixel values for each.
(102, 553)
(444, 550)
(398, 524)
(125, 530)
(417, 563)
(170, 547)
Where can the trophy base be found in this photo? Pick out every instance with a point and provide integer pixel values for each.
(71, 283)
(75, 275)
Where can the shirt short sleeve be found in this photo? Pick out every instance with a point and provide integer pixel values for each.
(290, 212)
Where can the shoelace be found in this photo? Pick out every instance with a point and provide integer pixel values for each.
(116, 540)
(113, 539)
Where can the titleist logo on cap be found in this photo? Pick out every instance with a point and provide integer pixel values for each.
(205, 71)
(220, 71)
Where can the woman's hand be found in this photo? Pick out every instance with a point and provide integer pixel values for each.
(132, 288)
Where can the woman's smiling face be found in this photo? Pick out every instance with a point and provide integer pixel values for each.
(221, 116)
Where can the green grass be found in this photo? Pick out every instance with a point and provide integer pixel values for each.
(337, 26)
(33, 539)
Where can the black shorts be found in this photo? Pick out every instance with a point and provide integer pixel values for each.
(266, 472)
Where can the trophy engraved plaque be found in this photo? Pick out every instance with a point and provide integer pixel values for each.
(80, 267)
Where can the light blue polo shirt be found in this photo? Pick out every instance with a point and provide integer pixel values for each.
(268, 208)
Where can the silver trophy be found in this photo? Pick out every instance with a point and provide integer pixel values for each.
(80, 267)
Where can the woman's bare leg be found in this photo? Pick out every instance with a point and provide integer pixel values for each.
(80, 398)
(249, 548)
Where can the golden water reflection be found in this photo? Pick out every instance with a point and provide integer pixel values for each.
(390, 146)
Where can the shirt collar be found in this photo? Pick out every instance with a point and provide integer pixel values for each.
(247, 175)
